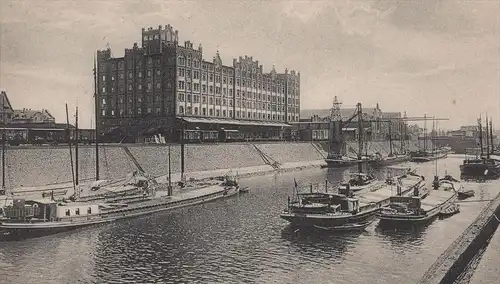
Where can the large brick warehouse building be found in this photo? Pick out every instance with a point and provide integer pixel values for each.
(165, 88)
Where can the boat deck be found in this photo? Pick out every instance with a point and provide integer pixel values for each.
(384, 192)
(162, 198)
(436, 198)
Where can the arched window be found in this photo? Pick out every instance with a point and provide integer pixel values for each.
(181, 109)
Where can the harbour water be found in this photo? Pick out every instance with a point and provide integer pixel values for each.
(239, 240)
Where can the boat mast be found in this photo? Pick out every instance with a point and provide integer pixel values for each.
(404, 146)
(4, 140)
(480, 136)
(96, 113)
(487, 139)
(390, 139)
(77, 135)
(425, 132)
(360, 137)
(169, 173)
(491, 137)
(70, 152)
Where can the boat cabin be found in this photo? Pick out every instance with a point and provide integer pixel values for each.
(317, 203)
(72, 210)
(409, 202)
(47, 210)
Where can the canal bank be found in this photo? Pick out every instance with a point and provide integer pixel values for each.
(454, 260)
(35, 166)
(487, 271)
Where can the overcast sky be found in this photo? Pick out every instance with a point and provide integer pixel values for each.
(436, 57)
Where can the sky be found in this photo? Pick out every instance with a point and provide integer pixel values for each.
(440, 58)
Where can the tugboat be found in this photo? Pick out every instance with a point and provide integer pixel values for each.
(329, 211)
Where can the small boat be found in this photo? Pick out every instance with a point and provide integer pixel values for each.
(340, 162)
(379, 161)
(449, 182)
(427, 156)
(243, 189)
(357, 182)
(450, 210)
(465, 194)
(346, 227)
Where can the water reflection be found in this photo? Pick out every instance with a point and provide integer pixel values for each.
(314, 242)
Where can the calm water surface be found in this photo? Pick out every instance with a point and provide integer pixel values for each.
(238, 240)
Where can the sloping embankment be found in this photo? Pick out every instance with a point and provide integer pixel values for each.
(36, 166)
(454, 260)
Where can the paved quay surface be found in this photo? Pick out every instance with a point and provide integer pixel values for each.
(453, 254)
(488, 270)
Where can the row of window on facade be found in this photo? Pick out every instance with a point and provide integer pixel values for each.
(121, 63)
(218, 101)
(194, 111)
(280, 88)
(121, 75)
(196, 88)
(121, 112)
(149, 88)
(196, 99)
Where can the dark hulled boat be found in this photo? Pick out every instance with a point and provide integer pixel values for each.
(427, 156)
(357, 182)
(378, 161)
(414, 210)
(480, 168)
(328, 211)
(484, 166)
(340, 162)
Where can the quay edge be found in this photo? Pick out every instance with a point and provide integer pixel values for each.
(453, 261)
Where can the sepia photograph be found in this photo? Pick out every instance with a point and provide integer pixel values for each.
(250, 141)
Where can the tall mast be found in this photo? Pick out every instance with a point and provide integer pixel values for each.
(70, 152)
(480, 136)
(77, 135)
(491, 137)
(96, 133)
(390, 139)
(169, 172)
(4, 140)
(403, 143)
(425, 132)
(360, 137)
(487, 139)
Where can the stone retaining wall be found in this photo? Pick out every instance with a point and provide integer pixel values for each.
(454, 260)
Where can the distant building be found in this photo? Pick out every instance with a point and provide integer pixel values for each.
(314, 123)
(6, 111)
(28, 116)
(34, 126)
(164, 87)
